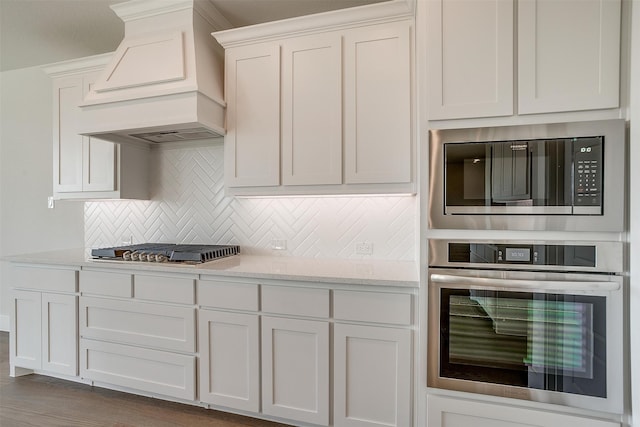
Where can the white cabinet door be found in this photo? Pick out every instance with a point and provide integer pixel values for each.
(312, 110)
(44, 332)
(60, 333)
(67, 143)
(229, 359)
(252, 143)
(372, 376)
(26, 332)
(470, 58)
(451, 412)
(295, 369)
(377, 97)
(80, 163)
(568, 55)
(99, 156)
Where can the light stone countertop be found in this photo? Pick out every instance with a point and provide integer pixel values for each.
(346, 271)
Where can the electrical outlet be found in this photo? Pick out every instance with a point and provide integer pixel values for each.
(50, 202)
(364, 248)
(279, 244)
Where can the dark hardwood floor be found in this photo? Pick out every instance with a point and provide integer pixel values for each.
(36, 400)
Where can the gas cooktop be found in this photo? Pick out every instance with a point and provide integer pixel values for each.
(166, 252)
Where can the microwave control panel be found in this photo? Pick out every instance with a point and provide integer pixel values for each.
(587, 164)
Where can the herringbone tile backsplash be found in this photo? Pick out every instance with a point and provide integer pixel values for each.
(188, 205)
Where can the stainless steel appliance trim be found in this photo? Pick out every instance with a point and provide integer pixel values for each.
(614, 320)
(521, 210)
(613, 190)
(609, 255)
(547, 285)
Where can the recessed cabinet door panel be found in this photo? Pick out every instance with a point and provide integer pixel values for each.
(229, 359)
(295, 369)
(372, 376)
(568, 55)
(153, 371)
(99, 165)
(252, 143)
(60, 333)
(67, 144)
(377, 96)
(154, 325)
(26, 332)
(470, 58)
(312, 110)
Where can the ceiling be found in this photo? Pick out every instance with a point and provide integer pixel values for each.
(36, 32)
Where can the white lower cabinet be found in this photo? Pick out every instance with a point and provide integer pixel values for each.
(372, 362)
(139, 331)
(229, 359)
(453, 412)
(372, 376)
(44, 327)
(296, 353)
(295, 369)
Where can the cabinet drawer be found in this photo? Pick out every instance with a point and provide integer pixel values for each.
(179, 290)
(378, 307)
(138, 368)
(452, 412)
(301, 301)
(154, 325)
(107, 284)
(45, 279)
(229, 295)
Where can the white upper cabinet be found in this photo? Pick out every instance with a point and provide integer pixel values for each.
(470, 58)
(252, 143)
(568, 55)
(377, 96)
(85, 167)
(312, 110)
(321, 104)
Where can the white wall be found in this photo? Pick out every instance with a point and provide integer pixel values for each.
(26, 150)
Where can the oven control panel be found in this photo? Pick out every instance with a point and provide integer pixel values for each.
(552, 255)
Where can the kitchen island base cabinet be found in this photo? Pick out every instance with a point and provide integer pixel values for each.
(372, 376)
(295, 369)
(229, 359)
(453, 412)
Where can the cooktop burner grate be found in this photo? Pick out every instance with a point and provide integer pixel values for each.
(161, 252)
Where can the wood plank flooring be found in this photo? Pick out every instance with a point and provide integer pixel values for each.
(36, 400)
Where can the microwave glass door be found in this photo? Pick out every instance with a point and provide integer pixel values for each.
(553, 342)
(546, 176)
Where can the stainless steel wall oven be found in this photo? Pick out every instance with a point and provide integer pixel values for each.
(540, 321)
(563, 176)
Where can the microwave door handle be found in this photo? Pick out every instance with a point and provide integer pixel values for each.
(513, 284)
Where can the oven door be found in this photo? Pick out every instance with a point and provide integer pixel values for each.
(547, 337)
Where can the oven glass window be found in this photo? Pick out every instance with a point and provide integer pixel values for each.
(544, 341)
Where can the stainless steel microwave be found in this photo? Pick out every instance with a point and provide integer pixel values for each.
(560, 176)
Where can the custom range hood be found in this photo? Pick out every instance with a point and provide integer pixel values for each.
(164, 82)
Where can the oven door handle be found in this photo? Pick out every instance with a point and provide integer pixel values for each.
(516, 284)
